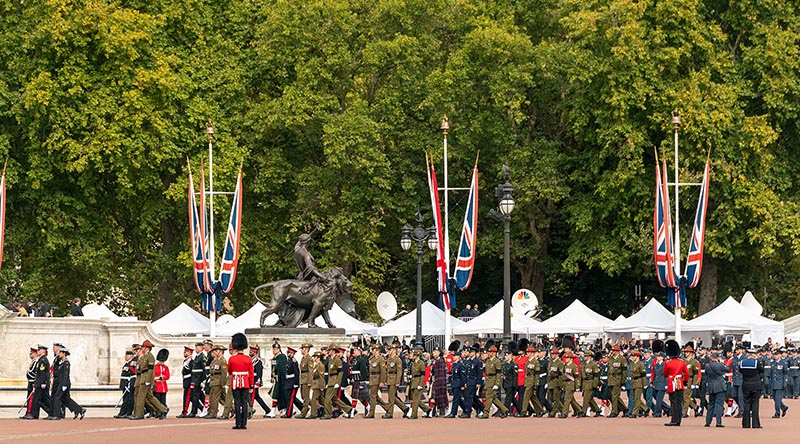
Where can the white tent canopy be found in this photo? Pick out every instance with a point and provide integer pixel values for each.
(183, 320)
(652, 318)
(491, 322)
(95, 311)
(750, 303)
(577, 318)
(252, 317)
(406, 325)
(620, 318)
(792, 325)
(731, 316)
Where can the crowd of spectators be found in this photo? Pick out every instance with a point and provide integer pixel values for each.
(41, 309)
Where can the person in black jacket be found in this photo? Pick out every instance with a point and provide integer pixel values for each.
(714, 377)
(76, 307)
(752, 373)
(40, 398)
(61, 386)
(197, 395)
(258, 374)
(126, 380)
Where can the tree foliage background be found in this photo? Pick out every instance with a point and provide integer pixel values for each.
(330, 106)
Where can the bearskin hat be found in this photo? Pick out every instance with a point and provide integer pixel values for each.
(512, 347)
(489, 343)
(728, 347)
(658, 346)
(673, 348)
(162, 355)
(598, 355)
(523, 344)
(568, 341)
(239, 341)
(454, 346)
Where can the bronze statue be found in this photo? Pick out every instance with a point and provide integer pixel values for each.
(305, 298)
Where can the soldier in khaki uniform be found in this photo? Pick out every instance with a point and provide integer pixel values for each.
(693, 383)
(377, 377)
(394, 374)
(532, 369)
(218, 370)
(306, 363)
(590, 379)
(555, 367)
(570, 381)
(638, 378)
(617, 373)
(144, 386)
(493, 367)
(317, 376)
(417, 385)
(335, 375)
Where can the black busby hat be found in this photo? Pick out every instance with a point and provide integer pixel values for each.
(658, 346)
(512, 347)
(454, 346)
(239, 341)
(568, 341)
(489, 343)
(598, 355)
(523, 344)
(673, 348)
(728, 347)
(162, 355)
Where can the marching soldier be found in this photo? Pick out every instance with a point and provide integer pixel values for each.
(40, 394)
(186, 374)
(555, 367)
(161, 376)
(335, 375)
(305, 380)
(126, 381)
(227, 412)
(359, 377)
(778, 380)
(474, 368)
(659, 383)
(394, 375)
(279, 363)
(62, 384)
(693, 383)
(617, 371)
(638, 375)
(143, 390)
(217, 367)
(532, 371)
(417, 385)
(197, 393)
(493, 368)
(208, 345)
(317, 375)
(458, 382)
(590, 381)
(510, 374)
(258, 373)
(377, 376)
(30, 376)
(53, 368)
(292, 382)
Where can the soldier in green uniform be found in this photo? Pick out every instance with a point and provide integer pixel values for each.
(227, 392)
(638, 381)
(335, 375)
(693, 384)
(218, 369)
(493, 368)
(305, 380)
(417, 384)
(317, 375)
(570, 381)
(617, 374)
(144, 386)
(555, 367)
(532, 369)
(377, 377)
(394, 375)
(590, 380)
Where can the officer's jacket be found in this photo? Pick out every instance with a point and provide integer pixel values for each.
(394, 370)
(317, 375)
(292, 373)
(334, 372)
(377, 369)
(715, 377)
(694, 371)
(570, 376)
(198, 369)
(186, 372)
(61, 376)
(417, 374)
(475, 372)
(532, 370)
(493, 367)
(258, 371)
(590, 374)
(638, 376)
(657, 378)
(42, 373)
(305, 369)
(555, 367)
(778, 374)
(144, 369)
(737, 372)
(510, 373)
(218, 371)
(617, 368)
(794, 366)
(459, 375)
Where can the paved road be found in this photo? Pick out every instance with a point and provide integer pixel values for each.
(99, 427)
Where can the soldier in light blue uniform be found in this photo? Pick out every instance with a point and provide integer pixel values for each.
(659, 385)
(767, 361)
(647, 360)
(777, 382)
(793, 377)
(737, 378)
(458, 382)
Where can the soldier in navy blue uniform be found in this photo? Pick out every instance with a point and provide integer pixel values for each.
(186, 375)
(40, 398)
(458, 382)
(61, 385)
(196, 381)
(126, 380)
(474, 369)
(766, 360)
(292, 382)
(258, 374)
(737, 394)
(659, 383)
(752, 370)
(714, 375)
(777, 382)
(794, 373)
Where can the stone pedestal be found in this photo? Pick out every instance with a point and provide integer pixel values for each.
(293, 337)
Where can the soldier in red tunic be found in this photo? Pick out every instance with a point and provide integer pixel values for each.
(240, 370)
(677, 374)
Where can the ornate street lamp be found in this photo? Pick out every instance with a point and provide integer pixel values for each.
(505, 202)
(421, 236)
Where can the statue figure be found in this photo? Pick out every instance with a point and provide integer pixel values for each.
(313, 293)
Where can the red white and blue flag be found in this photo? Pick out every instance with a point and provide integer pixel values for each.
(662, 239)
(198, 235)
(441, 266)
(694, 261)
(2, 212)
(465, 263)
(230, 255)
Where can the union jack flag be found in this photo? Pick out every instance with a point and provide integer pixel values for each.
(694, 260)
(230, 255)
(2, 212)
(197, 226)
(441, 265)
(662, 239)
(465, 264)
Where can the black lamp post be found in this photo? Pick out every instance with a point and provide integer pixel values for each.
(419, 235)
(505, 202)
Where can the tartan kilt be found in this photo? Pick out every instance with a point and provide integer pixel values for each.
(360, 391)
(440, 393)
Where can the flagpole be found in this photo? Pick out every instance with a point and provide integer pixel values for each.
(212, 309)
(676, 123)
(447, 328)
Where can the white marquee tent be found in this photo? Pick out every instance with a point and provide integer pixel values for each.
(577, 318)
(792, 325)
(652, 318)
(101, 311)
(406, 325)
(491, 322)
(183, 320)
(730, 316)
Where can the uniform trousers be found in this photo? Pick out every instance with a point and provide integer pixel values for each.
(216, 396)
(256, 397)
(688, 400)
(61, 400)
(796, 385)
(660, 408)
(588, 399)
(291, 396)
(739, 396)
(394, 400)
(316, 396)
(39, 400)
(458, 401)
(142, 396)
(638, 402)
(198, 399)
(617, 405)
(241, 406)
(162, 397)
(511, 398)
(541, 395)
(530, 396)
(750, 409)
(676, 402)
(715, 408)
(416, 402)
(493, 399)
(187, 400)
(305, 393)
(569, 400)
(648, 397)
(777, 396)
(375, 399)
(332, 398)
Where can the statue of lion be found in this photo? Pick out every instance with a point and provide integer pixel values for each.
(296, 301)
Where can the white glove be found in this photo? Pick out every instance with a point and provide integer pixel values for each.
(545, 386)
(336, 386)
(44, 385)
(419, 387)
(495, 387)
(146, 384)
(64, 388)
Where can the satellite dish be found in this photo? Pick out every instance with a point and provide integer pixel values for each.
(751, 304)
(524, 300)
(348, 306)
(387, 305)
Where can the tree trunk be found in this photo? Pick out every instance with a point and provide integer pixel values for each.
(166, 283)
(708, 286)
(532, 272)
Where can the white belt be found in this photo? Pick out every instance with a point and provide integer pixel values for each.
(187, 376)
(355, 372)
(243, 373)
(541, 375)
(197, 370)
(604, 377)
(288, 376)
